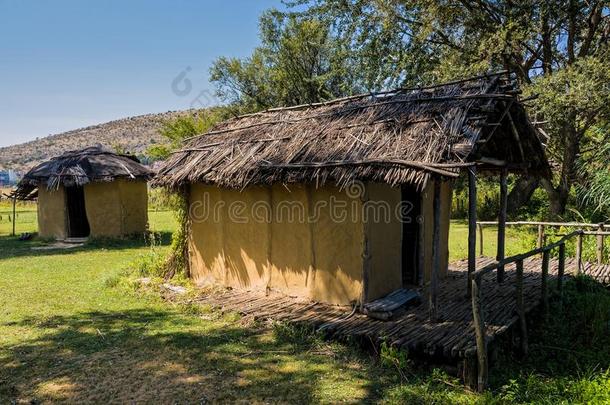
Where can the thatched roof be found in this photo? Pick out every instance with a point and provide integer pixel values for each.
(396, 137)
(80, 167)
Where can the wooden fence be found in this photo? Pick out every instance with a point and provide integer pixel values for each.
(477, 298)
(601, 230)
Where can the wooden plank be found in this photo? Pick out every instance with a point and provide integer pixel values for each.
(502, 223)
(392, 301)
(545, 223)
(596, 270)
(472, 223)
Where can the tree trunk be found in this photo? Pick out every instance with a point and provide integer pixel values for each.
(558, 196)
(521, 193)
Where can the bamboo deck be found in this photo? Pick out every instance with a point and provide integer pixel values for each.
(450, 339)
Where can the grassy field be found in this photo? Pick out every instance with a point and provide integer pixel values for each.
(26, 218)
(517, 241)
(66, 335)
(69, 333)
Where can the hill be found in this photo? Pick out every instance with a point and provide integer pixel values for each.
(132, 134)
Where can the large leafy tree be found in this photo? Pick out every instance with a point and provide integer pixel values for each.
(299, 61)
(556, 49)
(176, 130)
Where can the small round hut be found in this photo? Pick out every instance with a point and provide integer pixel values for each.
(92, 192)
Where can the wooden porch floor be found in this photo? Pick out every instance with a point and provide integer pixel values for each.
(449, 339)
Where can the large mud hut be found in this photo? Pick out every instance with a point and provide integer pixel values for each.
(92, 192)
(401, 148)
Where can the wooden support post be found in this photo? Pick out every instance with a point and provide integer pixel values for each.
(540, 240)
(540, 236)
(578, 253)
(502, 223)
(521, 307)
(480, 239)
(14, 213)
(545, 282)
(600, 245)
(436, 252)
(472, 224)
(561, 268)
(479, 330)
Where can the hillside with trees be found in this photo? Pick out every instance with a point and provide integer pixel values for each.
(132, 134)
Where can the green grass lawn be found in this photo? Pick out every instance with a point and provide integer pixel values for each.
(26, 218)
(518, 240)
(68, 333)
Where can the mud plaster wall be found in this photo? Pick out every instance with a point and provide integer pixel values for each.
(385, 239)
(428, 226)
(274, 244)
(134, 206)
(116, 208)
(51, 213)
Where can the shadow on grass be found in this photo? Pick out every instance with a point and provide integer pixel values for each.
(11, 246)
(567, 349)
(165, 356)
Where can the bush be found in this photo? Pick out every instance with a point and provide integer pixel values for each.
(569, 355)
(295, 335)
(151, 263)
(391, 356)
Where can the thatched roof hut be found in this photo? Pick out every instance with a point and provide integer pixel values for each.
(387, 150)
(80, 167)
(88, 192)
(394, 137)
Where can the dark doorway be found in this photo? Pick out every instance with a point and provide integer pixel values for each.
(78, 226)
(411, 200)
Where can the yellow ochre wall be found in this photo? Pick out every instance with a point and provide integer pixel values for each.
(113, 209)
(385, 239)
(103, 207)
(134, 205)
(51, 213)
(320, 259)
(428, 226)
(116, 208)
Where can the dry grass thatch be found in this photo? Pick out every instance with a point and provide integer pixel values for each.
(396, 137)
(81, 167)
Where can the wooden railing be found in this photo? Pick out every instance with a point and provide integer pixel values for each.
(477, 305)
(601, 230)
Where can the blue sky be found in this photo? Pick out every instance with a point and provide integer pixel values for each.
(65, 64)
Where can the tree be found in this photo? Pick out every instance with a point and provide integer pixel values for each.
(178, 129)
(298, 62)
(593, 188)
(557, 49)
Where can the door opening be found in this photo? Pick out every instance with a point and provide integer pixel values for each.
(411, 198)
(78, 226)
